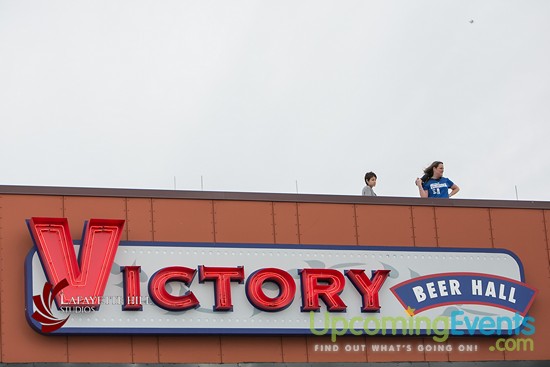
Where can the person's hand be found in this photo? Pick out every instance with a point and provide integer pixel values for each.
(418, 182)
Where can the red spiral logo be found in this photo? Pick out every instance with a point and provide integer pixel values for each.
(43, 304)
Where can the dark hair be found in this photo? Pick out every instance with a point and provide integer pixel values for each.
(368, 176)
(429, 171)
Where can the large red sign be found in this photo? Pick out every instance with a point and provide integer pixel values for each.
(247, 288)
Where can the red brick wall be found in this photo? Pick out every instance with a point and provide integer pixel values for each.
(524, 231)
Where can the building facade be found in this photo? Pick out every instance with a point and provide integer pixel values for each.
(274, 220)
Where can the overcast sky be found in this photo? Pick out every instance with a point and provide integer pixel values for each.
(256, 95)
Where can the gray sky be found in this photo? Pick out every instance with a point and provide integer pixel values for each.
(253, 95)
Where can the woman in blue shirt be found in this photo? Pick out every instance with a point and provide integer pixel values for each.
(434, 185)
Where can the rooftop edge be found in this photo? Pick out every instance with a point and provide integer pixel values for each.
(273, 197)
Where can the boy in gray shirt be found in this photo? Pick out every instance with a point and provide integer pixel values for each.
(370, 180)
